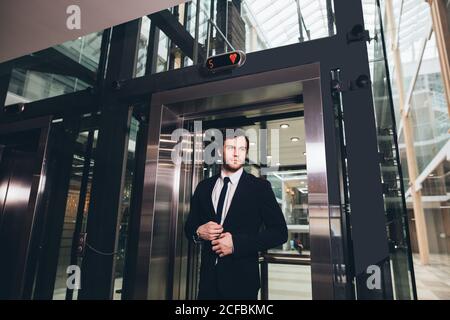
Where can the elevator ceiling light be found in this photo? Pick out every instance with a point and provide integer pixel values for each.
(284, 126)
(295, 139)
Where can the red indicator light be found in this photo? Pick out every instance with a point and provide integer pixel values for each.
(233, 57)
(226, 61)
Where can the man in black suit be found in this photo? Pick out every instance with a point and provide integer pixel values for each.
(226, 216)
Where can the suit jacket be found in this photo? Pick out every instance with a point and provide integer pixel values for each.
(253, 206)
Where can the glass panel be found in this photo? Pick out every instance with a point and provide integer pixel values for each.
(273, 24)
(83, 50)
(65, 68)
(415, 21)
(143, 44)
(429, 112)
(162, 63)
(404, 162)
(72, 218)
(248, 25)
(431, 130)
(124, 216)
(395, 210)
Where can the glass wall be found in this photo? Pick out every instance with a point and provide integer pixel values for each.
(427, 110)
(394, 201)
(246, 25)
(124, 213)
(65, 68)
(144, 38)
(76, 213)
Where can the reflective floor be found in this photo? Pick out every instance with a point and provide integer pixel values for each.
(433, 281)
(289, 282)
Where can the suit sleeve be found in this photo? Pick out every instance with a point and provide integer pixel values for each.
(274, 233)
(193, 220)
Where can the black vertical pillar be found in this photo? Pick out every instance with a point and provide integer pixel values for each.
(152, 50)
(5, 76)
(61, 150)
(237, 4)
(221, 21)
(110, 159)
(131, 254)
(368, 223)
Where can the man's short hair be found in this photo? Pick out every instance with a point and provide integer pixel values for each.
(231, 133)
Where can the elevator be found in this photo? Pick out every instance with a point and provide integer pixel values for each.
(310, 107)
(295, 164)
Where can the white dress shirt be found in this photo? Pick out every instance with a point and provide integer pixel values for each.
(232, 185)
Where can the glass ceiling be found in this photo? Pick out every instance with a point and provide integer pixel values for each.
(277, 21)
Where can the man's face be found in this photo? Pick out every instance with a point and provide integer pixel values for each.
(234, 153)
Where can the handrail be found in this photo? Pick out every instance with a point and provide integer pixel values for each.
(283, 258)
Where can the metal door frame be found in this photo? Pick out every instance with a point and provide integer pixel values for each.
(23, 288)
(320, 210)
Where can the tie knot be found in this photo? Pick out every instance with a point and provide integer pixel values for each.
(226, 180)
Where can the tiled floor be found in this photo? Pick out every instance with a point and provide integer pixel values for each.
(433, 280)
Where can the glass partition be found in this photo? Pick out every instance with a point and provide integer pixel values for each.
(64, 68)
(246, 25)
(391, 174)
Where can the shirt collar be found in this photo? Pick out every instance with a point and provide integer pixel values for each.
(234, 177)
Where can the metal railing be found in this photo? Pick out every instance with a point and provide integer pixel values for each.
(278, 258)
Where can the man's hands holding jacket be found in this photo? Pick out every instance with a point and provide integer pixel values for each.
(222, 243)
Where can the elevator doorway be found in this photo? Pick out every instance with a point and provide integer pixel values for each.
(277, 153)
(281, 99)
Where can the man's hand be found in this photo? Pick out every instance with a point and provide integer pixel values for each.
(209, 231)
(224, 245)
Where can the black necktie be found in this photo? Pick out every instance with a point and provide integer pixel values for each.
(223, 193)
